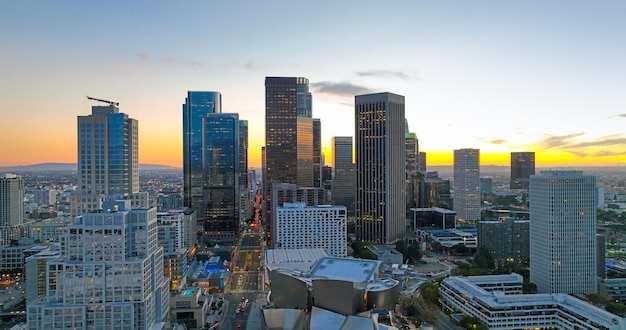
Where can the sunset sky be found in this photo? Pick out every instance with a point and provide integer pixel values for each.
(500, 76)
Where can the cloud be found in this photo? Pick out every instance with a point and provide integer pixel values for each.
(389, 74)
(497, 141)
(339, 88)
(143, 57)
(191, 64)
(555, 141)
(621, 115)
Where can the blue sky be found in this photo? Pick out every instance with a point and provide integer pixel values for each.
(494, 75)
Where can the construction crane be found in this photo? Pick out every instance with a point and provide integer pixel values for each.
(105, 101)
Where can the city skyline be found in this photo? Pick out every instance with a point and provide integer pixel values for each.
(499, 77)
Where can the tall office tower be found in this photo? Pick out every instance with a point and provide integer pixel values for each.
(197, 106)
(413, 181)
(421, 162)
(221, 182)
(12, 226)
(109, 276)
(467, 185)
(108, 166)
(245, 195)
(344, 180)
(563, 232)
(317, 153)
(288, 135)
(380, 167)
(11, 199)
(437, 191)
(522, 167)
(308, 227)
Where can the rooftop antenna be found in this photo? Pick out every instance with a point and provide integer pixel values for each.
(105, 101)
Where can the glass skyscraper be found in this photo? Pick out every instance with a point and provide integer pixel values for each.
(344, 180)
(221, 176)
(380, 167)
(288, 156)
(197, 106)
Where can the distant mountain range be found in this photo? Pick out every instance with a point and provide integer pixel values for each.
(72, 167)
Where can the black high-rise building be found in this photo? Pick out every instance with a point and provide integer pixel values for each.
(522, 167)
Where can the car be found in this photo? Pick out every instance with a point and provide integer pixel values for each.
(238, 325)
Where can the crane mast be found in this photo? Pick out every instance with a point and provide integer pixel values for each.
(104, 101)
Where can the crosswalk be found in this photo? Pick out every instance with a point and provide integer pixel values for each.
(238, 290)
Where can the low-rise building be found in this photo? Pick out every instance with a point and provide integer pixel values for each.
(482, 297)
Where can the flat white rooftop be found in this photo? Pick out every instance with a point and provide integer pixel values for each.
(354, 270)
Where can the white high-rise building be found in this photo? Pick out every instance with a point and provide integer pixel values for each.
(563, 232)
(306, 227)
(380, 205)
(11, 199)
(109, 276)
(467, 185)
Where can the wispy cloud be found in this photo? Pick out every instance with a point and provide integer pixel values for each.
(191, 64)
(555, 141)
(497, 141)
(402, 75)
(345, 89)
(143, 58)
(621, 115)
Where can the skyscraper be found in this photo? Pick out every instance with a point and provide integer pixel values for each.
(109, 276)
(380, 167)
(563, 232)
(108, 166)
(317, 153)
(522, 167)
(197, 106)
(344, 180)
(221, 164)
(11, 200)
(245, 193)
(288, 136)
(467, 184)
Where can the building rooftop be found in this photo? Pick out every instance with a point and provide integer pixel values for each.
(354, 270)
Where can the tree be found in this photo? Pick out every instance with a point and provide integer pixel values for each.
(357, 246)
(429, 292)
(412, 253)
(484, 260)
(529, 288)
(595, 299)
(367, 254)
(616, 308)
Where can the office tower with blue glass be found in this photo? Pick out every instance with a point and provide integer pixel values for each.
(288, 156)
(344, 179)
(467, 185)
(380, 168)
(197, 105)
(563, 232)
(221, 179)
(108, 166)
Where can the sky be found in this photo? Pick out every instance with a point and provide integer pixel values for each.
(499, 76)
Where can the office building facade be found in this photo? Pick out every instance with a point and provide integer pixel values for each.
(563, 232)
(466, 185)
(305, 227)
(109, 276)
(380, 167)
(318, 161)
(522, 167)
(288, 150)
(197, 106)
(221, 179)
(108, 161)
(344, 180)
(11, 199)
